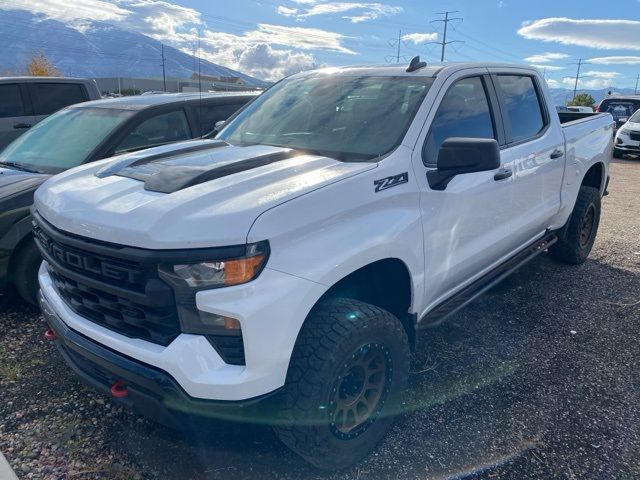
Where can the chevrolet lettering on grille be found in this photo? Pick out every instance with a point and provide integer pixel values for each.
(88, 263)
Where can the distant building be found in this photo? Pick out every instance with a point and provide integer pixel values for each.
(206, 83)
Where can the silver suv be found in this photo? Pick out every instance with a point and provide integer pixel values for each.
(24, 101)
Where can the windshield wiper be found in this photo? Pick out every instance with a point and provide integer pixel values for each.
(18, 166)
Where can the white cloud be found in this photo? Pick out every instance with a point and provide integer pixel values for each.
(550, 68)
(252, 52)
(360, 11)
(265, 62)
(287, 12)
(594, 33)
(70, 10)
(629, 60)
(502, 4)
(417, 38)
(546, 57)
(553, 83)
(592, 79)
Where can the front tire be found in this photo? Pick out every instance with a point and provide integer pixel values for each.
(348, 370)
(617, 153)
(576, 238)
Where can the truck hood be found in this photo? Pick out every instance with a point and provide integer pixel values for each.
(196, 194)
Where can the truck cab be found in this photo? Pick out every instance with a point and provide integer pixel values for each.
(296, 258)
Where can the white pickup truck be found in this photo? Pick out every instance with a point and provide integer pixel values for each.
(292, 260)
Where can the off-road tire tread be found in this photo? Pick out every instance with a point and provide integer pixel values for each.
(25, 267)
(567, 249)
(320, 338)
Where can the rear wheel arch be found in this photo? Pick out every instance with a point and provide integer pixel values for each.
(594, 177)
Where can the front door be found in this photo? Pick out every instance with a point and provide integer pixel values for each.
(466, 225)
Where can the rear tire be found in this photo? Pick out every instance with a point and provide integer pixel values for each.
(349, 367)
(576, 238)
(617, 153)
(25, 271)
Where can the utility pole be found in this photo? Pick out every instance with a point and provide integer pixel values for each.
(395, 43)
(635, 90)
(446, 21)
(164, 78)
(575, 85)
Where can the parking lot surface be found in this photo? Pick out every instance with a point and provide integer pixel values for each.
(539, 378)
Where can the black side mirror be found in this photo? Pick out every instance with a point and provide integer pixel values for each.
(458, 156)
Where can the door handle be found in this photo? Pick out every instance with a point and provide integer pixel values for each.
(557, 153)
(502, 174)
(21, 125)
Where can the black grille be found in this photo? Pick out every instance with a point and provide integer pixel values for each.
(229, 347)
(635, 136)
(125, 296)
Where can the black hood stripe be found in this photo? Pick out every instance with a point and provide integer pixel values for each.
(116, 167)
(174, 178)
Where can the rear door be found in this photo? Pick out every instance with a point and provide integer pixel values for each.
(15, 112)
(535, 142)
(49, 97)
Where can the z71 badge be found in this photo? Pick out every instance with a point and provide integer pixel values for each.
(389, 182)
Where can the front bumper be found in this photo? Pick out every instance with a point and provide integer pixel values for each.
(270, 309)
(150, 391)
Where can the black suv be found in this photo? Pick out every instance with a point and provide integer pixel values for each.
(620, 107)
(85, 133)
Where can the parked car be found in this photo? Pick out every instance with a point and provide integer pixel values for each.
(620, 107)
(628, 137)
(85, 133)
(293, 261)
(24, 101)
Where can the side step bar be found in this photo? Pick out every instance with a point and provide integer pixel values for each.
(465, 296)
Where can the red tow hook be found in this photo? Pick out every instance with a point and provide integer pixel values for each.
(119, 389)
(50, 335)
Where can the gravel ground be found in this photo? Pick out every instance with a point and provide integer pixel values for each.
(539, 378)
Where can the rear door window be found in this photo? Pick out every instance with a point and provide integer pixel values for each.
(619, 108)
(11, 101)
(522, 105)
(160, 129)
(51, 97)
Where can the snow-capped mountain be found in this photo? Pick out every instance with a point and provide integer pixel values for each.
(95, 49)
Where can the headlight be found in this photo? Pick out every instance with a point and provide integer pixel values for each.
(219, 273)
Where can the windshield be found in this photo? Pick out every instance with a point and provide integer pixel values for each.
(344, 117)
(63, 140)
(635, 118)
(619, 109)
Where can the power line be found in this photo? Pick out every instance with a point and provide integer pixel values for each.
(396, 43)
(446, 21)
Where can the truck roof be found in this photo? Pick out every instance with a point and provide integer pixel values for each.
(31, 79)
(400, 69)
(137, 102)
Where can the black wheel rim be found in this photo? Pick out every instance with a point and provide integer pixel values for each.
(360, 391)
(586, 229)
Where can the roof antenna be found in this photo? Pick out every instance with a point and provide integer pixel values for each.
(416, 64)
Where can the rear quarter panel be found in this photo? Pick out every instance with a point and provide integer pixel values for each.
(587, 142)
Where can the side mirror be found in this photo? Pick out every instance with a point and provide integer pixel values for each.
(219, 124)
(458, 156)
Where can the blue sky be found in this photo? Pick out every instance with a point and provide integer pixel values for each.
(272, 38)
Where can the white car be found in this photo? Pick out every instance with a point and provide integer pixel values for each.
(293, 263)
(628, 137)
